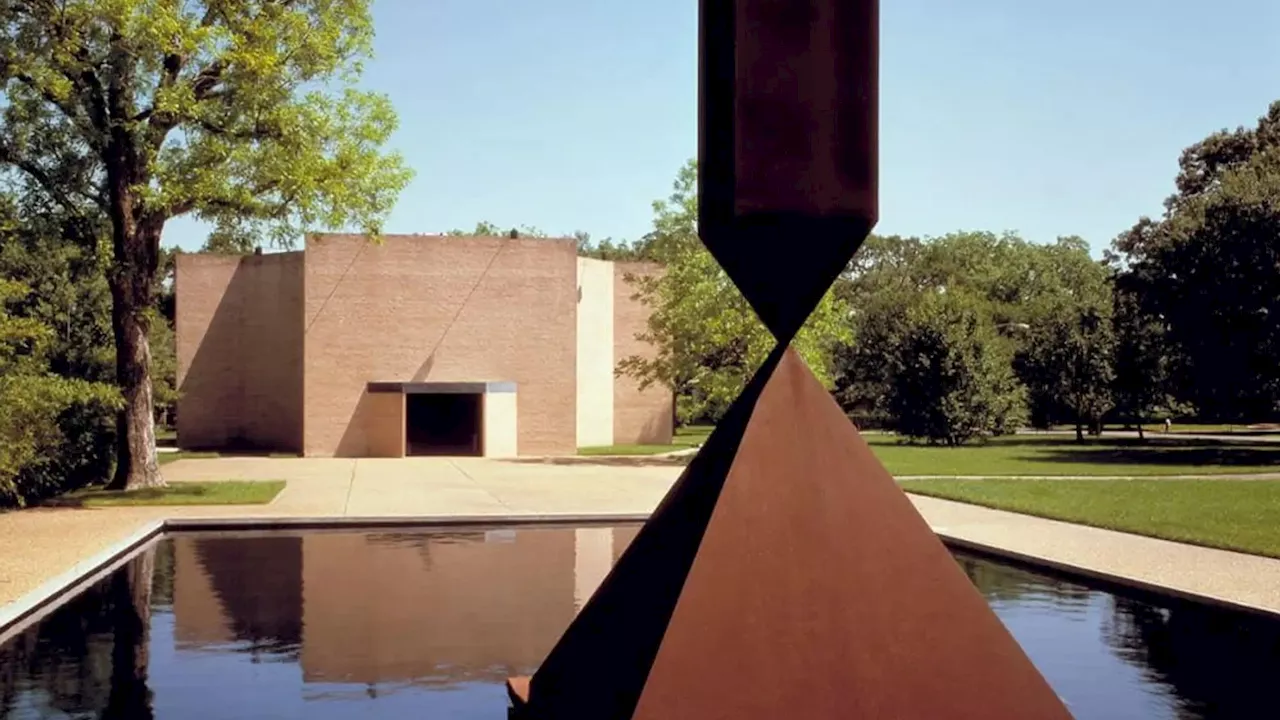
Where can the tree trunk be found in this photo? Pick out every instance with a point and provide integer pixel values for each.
(136, 249)
(137, 465)
(1079, 430)
(1141, 437)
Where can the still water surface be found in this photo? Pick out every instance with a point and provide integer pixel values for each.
(428, 624)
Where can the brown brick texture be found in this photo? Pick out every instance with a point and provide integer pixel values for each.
(639, 416)
(429, 308)
(240, 351)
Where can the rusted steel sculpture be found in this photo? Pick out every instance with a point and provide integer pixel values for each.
(786, 574)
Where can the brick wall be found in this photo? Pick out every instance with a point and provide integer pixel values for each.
(428, 308)
(639, 416)
(239, 346)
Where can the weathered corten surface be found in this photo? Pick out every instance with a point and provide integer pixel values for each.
(786, 575)
(818, 591)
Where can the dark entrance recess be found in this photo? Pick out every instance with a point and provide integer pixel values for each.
(443, 424)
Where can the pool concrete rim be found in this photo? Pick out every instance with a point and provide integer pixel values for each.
(37, 604)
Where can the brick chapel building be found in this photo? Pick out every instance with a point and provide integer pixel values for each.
(412, 345)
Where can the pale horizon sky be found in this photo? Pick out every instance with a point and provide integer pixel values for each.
(1045, 119)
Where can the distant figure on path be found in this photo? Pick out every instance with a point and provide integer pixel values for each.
(1168, 425)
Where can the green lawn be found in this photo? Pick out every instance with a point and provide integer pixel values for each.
(1234, 515)
(230, 492)
(1056, 456)
(168, 457)
(685, 437)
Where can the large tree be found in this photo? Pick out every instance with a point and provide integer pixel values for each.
(127, 113)
(1067, 345)
(1209, 270)
(1023, 289)
(709, 342)
(950, 377)
(1143, 387)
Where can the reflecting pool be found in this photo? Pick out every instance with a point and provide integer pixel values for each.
(429, 623)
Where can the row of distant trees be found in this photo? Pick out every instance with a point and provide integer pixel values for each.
(974, 334)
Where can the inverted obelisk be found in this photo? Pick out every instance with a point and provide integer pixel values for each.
(786, 575)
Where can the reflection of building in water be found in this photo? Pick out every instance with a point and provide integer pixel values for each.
(369, 608)
(592, 558)
(215, 602)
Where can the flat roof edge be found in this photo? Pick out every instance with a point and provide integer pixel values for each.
(443, 388)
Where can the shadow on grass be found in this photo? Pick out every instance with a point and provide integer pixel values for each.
(1172, 453)
(1069, 442)
(215, 492)
(171, 457)
(86, 498)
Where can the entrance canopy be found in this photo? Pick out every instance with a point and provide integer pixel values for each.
(442, 388)
(476, 418)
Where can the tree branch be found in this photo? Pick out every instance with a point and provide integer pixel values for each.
(43, 179)
(204, 86)
(258, 132)
(185, 206)
(206, 81)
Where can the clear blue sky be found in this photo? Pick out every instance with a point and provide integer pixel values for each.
(1045, 118)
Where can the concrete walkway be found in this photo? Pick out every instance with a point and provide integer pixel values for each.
(41, 544)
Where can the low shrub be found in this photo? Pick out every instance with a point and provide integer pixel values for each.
(55, 432)
(56, 435)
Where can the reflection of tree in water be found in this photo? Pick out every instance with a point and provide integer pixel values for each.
(425, 541)
(1001, 582)
(1220, 664)
(162, 585)
(131, 603)
(258, 581)
(89, 656)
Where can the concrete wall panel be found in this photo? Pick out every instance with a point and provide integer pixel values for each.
(595, 352)
(639, 416)
(501, 424)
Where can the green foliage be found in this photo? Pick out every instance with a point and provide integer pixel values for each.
(1067, 350)
(1067, 365)
(708, 340)
(484, 228)
(1209, 271)
(164, 368)
(1143, 388)
(950, 378)
(123, 114)
(245, 113)
(607, 249)
(66, 291)
(51, 434)
(1028, 292)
